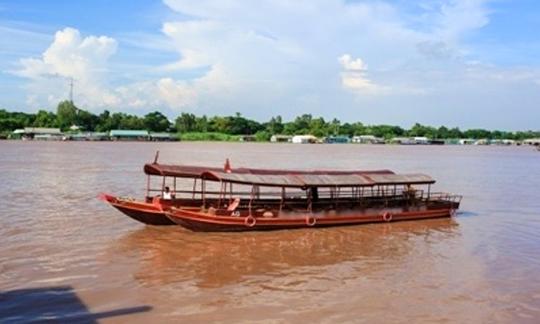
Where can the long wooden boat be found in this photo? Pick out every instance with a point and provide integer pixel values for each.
(190, 190)
(287, 199)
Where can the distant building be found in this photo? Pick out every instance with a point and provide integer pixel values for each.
(403, 141)
(532, 141)
(304, 139)
(48, 137)
(437, 142)
(247, 138)
(129, 135)
(281, 139)
(502, 142)
(421, 140)
(162, 137)
(17, 134)
(337, 139)
(466, 141)
(88, 136)
(482, 142)
(367, 139)
(38, 133)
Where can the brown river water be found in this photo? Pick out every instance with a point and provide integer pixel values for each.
(64, 254)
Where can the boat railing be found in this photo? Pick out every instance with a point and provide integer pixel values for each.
(330, 193)
(445, 196)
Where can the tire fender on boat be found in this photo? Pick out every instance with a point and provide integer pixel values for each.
(250, 221)
(311, 221)
(387, 217)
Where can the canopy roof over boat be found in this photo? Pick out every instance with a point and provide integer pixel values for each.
(192, 171)
(289, 178)
(318, 180)
(181, 171)
(401, 179)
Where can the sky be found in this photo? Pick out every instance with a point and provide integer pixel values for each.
(464, 63)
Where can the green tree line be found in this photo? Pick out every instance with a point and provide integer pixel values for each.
(67, 114)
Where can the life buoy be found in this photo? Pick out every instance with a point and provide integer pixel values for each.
(235, 213)
(387, 217)
(250, 221)
(311, 221)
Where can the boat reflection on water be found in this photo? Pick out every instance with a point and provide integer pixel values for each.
(212, 260)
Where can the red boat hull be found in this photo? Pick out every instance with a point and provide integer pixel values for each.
(147, 213)
(200, 222)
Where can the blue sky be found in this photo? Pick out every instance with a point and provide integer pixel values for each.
(466, 63)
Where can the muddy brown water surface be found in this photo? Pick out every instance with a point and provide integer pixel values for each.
(65, 254)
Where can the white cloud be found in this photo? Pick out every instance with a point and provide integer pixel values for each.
(256, 43)
(352, 65)
(86, 60)
(70, 56)
(354, 77)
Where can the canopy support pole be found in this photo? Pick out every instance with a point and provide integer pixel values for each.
(148, 186)
(203, 192)
(281, 202)
(251, 198)
(194, 188)
(309, 199)
(221, 194)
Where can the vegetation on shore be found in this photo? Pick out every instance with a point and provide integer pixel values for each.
(227, 128)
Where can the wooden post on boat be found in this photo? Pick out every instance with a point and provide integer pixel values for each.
(148, 186)
(309, 192)
(203, 194)
(163, 186)
(222, 189)
(174, 186)
(282, 201)
(251, 198)
(194, 188)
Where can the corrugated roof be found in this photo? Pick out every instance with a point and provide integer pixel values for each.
(122, 132)
(42, 130)
(161, 135)
(322, 180)
(281, 180)
(196, 171)
(289, 178)
(182, 171)
(415, 178)
(319, 180)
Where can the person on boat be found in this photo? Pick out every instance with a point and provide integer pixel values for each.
(167, 194)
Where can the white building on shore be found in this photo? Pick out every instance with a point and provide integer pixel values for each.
(304, 139)
(367, 139)
(532, 141)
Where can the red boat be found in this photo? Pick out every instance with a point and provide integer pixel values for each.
(289, 199)
(184, 181)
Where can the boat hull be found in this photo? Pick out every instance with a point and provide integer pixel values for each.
(147, 213)
(201, 222)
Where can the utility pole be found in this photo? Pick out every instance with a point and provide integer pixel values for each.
(71, 89)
